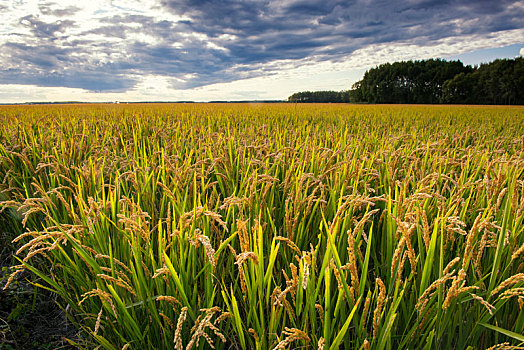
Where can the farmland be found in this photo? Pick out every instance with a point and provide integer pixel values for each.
(270, 226)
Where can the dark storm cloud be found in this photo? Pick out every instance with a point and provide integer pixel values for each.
(94, 80)
(224, 40)
(43, 56)
(48, 65)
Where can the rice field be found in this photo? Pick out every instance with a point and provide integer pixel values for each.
(271, 226)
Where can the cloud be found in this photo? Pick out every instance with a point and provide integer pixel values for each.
(54, 9)
(45, 30)
(104, 46)
(521, 52)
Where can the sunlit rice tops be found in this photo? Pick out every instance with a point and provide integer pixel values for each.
(272, 226)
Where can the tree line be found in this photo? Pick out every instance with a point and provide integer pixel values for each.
(320, 96)
(432, 81)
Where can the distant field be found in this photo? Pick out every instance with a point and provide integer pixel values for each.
(271, 226)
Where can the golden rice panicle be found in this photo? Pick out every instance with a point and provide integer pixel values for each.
(367, 304)
(505, 346)
(117, 281)
(240, 259)
(402, 264)
(243, 236)
(17, 270)
(407, 231)
(487, 305)
(98, 320)
(291, 335)
(320, 310)
(320, 344)
(455, 289)
(201, 239)
(169, 299)
(336, 273)
(306, 260)
(162, 271)
(199, 329)
(291, 287)
(514, 292)
(411, 251)
(500, 198)
(178, 332)
(426, 234)
(352, 264)
(470, 238)
(450, 265)
(447, 275)
(222, 317)
(104, 297)
(381, 300)
(115, 260)
(519, 277)
(289, 243)
(166, 319)
(518, 252)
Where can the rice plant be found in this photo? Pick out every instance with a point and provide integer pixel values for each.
(282, 226)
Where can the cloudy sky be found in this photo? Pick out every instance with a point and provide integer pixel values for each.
(101, 50)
